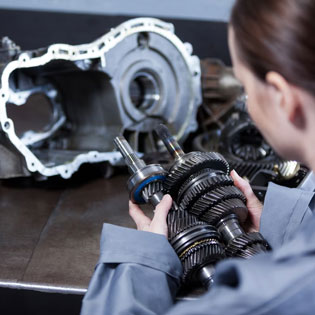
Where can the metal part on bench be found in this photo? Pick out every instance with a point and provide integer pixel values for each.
(61, 106)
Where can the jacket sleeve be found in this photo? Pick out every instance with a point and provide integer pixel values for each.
(285, 211)
(146, 279)
(137, 273)
(281, 282)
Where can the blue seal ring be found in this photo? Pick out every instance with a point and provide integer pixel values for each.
(137, 194)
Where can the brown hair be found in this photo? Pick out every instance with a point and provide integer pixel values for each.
(277, 35)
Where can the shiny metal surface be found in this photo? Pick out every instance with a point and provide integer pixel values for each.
(206, 275)
(169, 141)
(145, 182)
(133, 162)
(230, 228)
(128, 81)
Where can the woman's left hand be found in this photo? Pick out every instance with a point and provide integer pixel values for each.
(254, 206)
(158, 223)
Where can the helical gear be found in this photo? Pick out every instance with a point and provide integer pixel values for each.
(246, 245)
(224, 208)
(196, 243)
(189, 193)
(209, 210)
(201, 185)
(151, 189)
(191, 163)
(201, 255)
(204, 206)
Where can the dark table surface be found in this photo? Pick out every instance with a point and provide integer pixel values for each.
(49, 234)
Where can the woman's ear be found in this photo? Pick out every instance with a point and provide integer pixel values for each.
(286, 99)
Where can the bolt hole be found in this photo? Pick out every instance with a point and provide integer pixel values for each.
(7, 125)
(143, 39)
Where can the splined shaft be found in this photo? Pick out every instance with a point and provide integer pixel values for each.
(145, 182)
(169, 141)
(133, 162)
(201, 185)
(196, 243)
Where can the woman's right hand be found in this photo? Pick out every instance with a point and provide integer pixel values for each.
(253, 204)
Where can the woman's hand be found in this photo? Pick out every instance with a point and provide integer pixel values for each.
(253, 204)
(158, 223)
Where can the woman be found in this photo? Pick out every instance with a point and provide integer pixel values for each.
(272, 46)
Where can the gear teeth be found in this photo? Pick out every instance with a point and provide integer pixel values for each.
(190, 164)
(287, 169)
(251, 251)
(205, 171)
(151, 189)
(200, 252)
(203, 187)
(247, 245)
(249, 169)
(215, 197)
(223, 209)
(179, 221)
(199, 256)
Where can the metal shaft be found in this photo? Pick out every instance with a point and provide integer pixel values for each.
(133, 162)
(230, 228)
(206, 274)
(171, 144)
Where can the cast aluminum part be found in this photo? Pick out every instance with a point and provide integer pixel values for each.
(151, 77)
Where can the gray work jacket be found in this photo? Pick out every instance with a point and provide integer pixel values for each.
(139, 272)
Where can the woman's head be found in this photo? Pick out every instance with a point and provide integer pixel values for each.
(273, 51)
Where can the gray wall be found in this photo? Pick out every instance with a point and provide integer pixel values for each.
(205, 10)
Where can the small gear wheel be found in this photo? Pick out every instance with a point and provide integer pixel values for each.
(203, 207)
(189, 195)
(247, 245)
(151, 189)
(196, 243)
(178, 221)
(225, 208)
(199, 256)
(190, 164)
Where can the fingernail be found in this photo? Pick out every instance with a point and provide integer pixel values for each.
(167, 196)
(234, 172)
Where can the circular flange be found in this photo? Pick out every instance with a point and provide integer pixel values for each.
(138, 181)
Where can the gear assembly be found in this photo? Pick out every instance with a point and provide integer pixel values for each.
(204, 222)
(216, 160)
